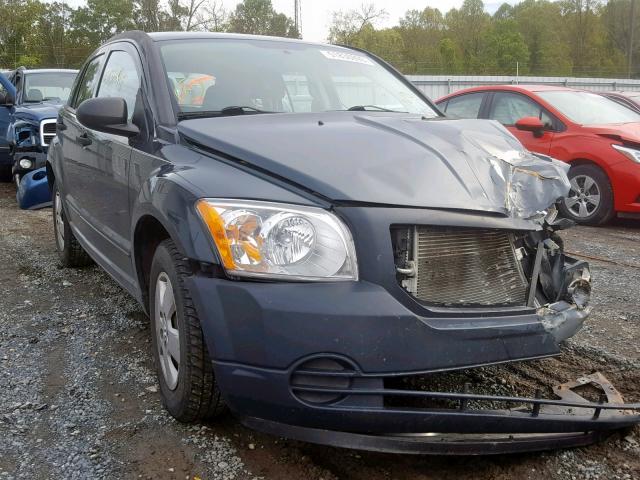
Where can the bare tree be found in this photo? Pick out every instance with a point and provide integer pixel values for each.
(348, 24)
(192, 13)
(212, 16)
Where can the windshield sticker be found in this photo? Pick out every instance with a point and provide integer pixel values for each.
(346, 57)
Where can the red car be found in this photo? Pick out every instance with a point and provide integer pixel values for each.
(597, 136)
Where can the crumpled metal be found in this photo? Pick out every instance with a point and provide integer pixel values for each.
(531, 182)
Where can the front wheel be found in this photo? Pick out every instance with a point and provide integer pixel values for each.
(590, 200)
(187, 383)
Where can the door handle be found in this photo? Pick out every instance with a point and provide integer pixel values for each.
(60, 126)
(83, 140)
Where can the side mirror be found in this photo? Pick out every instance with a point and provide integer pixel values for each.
(6, 99)
(108, 115)
(531, 124)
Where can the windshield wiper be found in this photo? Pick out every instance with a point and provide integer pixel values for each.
(225, 112)
(364, 108)
(241, 110)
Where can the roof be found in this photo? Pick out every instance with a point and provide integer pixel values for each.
(49, 70)
(513, 88)
(162, 36)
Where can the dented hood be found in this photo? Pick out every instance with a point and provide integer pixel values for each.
(391, 159)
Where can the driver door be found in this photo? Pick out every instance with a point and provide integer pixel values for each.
(509, 107)
(105, 165)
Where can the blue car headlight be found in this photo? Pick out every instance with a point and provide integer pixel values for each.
(279, 241)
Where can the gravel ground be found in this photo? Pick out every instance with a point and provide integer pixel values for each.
(78, 396)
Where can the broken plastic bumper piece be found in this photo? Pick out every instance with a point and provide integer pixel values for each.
(531, 424)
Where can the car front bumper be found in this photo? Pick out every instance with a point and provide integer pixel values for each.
(264, 336)
(625, 177)
(37, 157)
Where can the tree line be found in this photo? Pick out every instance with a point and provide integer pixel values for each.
(535, 37)
(36, 33)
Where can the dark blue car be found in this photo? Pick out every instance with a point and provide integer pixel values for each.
(28, 110)
(314, 240)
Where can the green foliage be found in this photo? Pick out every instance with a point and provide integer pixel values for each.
(259, 17)
(39, 33)
(537, 37)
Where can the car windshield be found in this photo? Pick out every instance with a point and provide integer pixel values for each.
(587, 108)
(247, 76)
(48, 86)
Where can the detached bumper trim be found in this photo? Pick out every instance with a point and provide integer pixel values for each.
(429, 443)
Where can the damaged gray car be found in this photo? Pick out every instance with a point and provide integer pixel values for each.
(306, 229)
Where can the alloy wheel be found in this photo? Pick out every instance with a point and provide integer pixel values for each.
(167, 333)
(584, 197)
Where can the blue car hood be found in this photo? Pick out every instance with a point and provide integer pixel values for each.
(37, 111)
(390, 159)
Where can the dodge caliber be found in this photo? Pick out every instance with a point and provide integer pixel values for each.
(305, 228)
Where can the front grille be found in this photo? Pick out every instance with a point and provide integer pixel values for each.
(459, 267)
(47, 131)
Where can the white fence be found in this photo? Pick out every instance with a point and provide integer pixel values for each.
(436, 86)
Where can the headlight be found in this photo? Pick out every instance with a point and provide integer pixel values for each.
(262, 239)
(25, 163)
(631, 153)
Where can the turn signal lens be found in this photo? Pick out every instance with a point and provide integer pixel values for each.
(279, 241)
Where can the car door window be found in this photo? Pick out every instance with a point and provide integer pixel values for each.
(121, 79)
(87, 82)
(508, 108)
(465, 106)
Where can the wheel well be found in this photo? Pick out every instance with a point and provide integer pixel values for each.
(148, 234)
(584, 161)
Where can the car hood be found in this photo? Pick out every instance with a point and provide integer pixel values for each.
(37, 111)
(623, 131)
(390, 159)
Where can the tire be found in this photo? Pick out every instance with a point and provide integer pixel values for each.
(5, 173)
(590, 201)
(70, 252)
(187, 383)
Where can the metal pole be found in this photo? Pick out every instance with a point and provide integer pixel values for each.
(297, 16)
(632, 22)
(62, 36)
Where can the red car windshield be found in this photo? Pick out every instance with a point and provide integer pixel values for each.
(587, 108)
